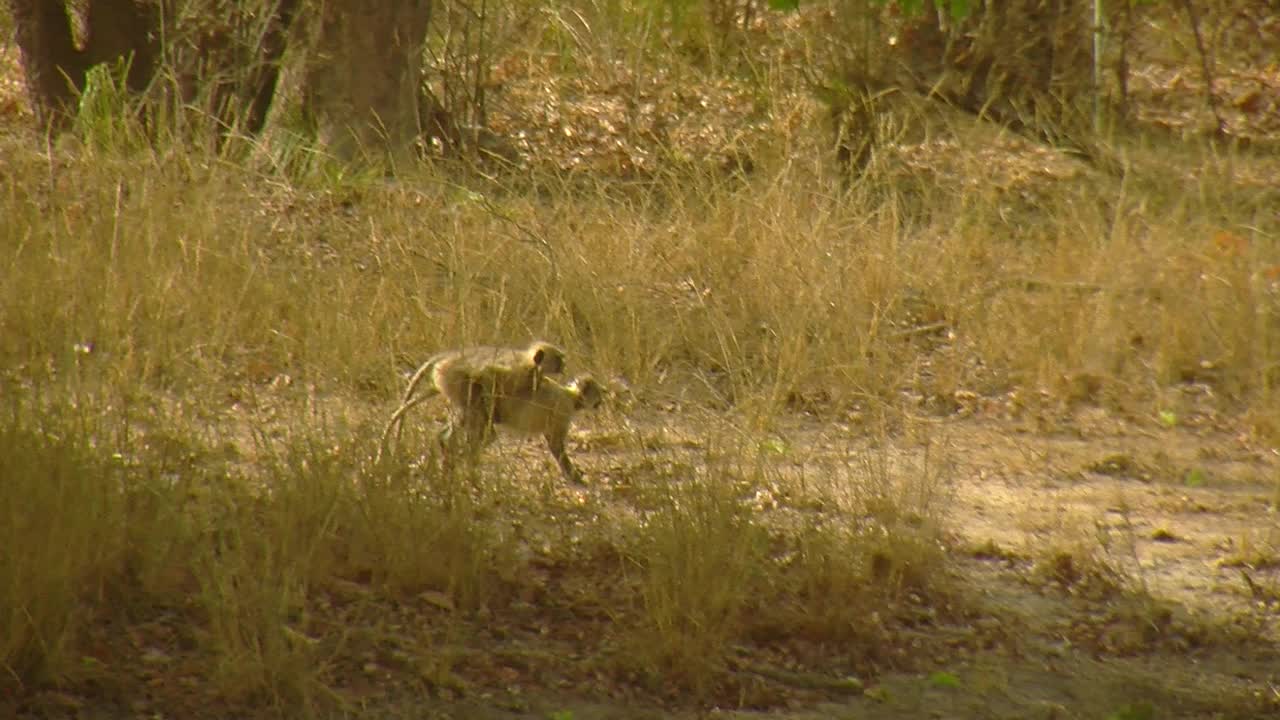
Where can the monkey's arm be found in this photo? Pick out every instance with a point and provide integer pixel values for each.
(556, 444)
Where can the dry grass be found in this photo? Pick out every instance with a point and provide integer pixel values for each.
(198, 353)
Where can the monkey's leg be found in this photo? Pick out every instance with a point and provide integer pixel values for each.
(556, 444)
(468, 433)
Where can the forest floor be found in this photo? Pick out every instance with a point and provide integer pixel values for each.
(1096, 566)
(1115, 567)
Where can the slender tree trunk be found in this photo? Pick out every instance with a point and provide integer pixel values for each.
(225, 56)
(266, 76)
(362, 77)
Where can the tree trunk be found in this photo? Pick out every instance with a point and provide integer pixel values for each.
(124, 29)
(362, 77)
(54, 68)
(359, 79)
(266, 76)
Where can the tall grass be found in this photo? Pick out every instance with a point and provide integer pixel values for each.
(115, 514)
(183, 272)
(733, 551)
(62, 512)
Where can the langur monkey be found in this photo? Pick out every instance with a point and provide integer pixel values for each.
(473, 379)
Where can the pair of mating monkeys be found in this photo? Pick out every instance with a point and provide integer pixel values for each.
(489, 386)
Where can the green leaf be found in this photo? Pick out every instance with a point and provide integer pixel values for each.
(959, 9)
(1196, 478)
(944, 680)
(784, 5)
(1168, 418)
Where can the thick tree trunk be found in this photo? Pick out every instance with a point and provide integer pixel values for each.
(359, 80)
(362, 77)
(124, 29)
(54, 68)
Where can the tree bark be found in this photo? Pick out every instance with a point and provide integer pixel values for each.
(362, 77)
(54, 68)
(266, 76)
(359, 79)
(226, 58)
(124, 29)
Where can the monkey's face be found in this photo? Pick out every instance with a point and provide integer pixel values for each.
(590, 393)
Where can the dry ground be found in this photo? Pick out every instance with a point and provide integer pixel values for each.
(1100, 566)
(1111, 562)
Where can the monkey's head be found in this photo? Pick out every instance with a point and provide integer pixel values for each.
(590, 393)
(547, 357)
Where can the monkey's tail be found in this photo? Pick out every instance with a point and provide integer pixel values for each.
(423, 371)
(397, 423)
(397, 418)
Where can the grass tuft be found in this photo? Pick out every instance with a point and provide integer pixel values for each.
(64, 516)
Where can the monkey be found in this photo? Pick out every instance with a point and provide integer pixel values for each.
(546, 410)
(473, 379)
(451, 366)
